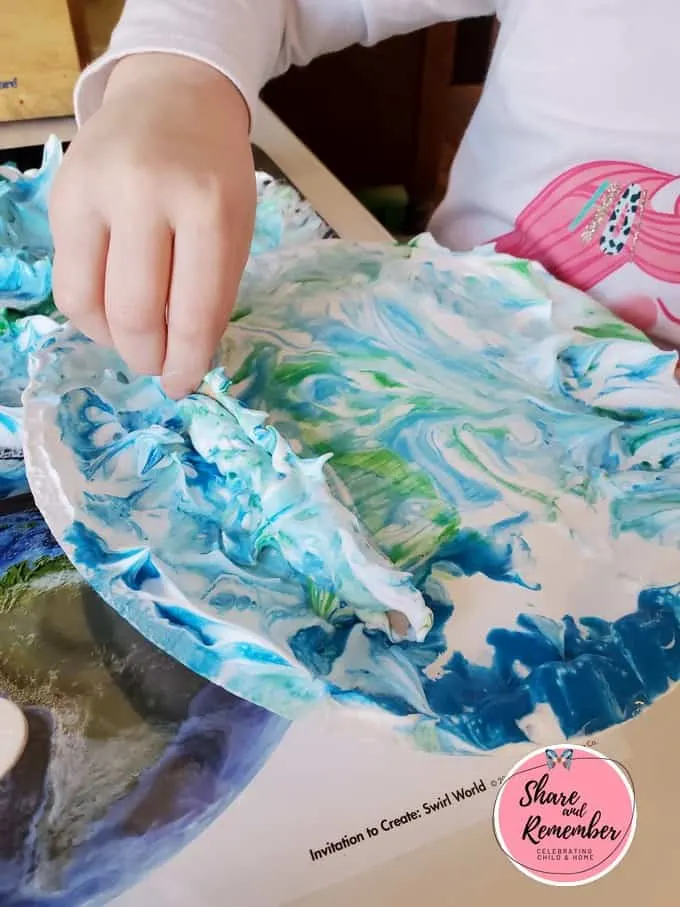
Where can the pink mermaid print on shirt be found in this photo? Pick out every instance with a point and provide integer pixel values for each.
(613, 230)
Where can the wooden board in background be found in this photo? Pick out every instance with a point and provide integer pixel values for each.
(39, 61)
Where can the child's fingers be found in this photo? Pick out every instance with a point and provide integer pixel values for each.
(80, 248)
(204, 282)
(137, 283)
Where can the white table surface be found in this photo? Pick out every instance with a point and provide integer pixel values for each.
(468, 869)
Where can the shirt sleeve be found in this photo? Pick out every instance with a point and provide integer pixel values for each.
(251, 41)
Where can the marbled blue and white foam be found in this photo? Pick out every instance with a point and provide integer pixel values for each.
(19, 338)
(26, 248)
(276, 501)
(282, 217)
(502, 438)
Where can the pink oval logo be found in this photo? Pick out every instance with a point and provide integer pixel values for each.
(565, 815)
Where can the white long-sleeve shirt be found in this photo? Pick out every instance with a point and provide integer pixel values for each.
(572, 157)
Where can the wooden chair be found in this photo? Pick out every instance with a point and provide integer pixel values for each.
(374, 116)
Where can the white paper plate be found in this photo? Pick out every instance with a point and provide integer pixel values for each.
(500, 435)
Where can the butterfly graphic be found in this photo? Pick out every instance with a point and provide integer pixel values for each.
(553, 758)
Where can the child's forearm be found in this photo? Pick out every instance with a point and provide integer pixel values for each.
(247, 40)
(250, 41)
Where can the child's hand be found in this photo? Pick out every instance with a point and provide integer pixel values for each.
(152, 213)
